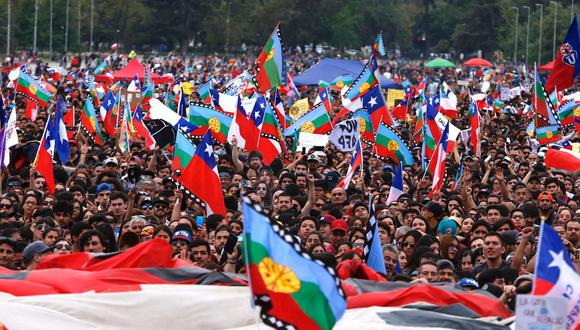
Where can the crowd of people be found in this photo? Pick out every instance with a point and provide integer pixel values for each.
(478, 233)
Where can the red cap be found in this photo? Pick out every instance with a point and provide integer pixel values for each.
(329, 219)
(339, 224)
(545, 195)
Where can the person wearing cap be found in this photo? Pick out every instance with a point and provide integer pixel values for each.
(468, 284)
(324, 226)
(7, 246)
(446, 271)
(112, 164)
(33, 253)
(432, 211)
(338, 233)
(147, 207)
(546, 206)
(181, 241)
(161, 208)
(103, 192)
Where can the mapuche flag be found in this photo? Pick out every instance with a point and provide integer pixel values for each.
(270, 65)
(292, 290)
(30, 88)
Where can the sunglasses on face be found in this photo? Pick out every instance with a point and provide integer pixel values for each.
(63, 247)
(408, 244)
(5, 206)
(147, 207)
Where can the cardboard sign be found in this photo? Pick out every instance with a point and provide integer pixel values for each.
(133, 98)
(309, 140)
(345, 135)
(541, 312)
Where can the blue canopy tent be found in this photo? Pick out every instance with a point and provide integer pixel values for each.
(330, 68)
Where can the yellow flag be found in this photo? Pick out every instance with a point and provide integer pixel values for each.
(299, 108)
(394, 96)
(187, 88)
(132, 54)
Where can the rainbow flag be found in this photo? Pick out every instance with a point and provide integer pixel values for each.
(271, 67)
(30, 88)
(292, 290)
(390, 145)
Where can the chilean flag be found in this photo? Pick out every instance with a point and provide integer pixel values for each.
(355, 163)
(141, 129)
(201, 177)
(43, 161)
(556, 275)
(59, 133)
(437, 163)
(567, 61)
(397, 186)
(324, 97)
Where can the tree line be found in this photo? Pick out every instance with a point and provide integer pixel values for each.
(414, 26)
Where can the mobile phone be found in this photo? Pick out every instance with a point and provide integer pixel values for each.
(487, 159)
(91, 197)
(228, 248)
(199, 221)
(240, 238)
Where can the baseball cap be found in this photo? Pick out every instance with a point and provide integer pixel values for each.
(445, 264)
(147, 200)
(545, 194)
(329, 219)
(509, 237)
(314, 158)
(434, 208)
(104, 186)
(161, 200)
(468, 282)
(182, 234)
(447, 226)
(339, 224)
(111, 160)
(33, 249)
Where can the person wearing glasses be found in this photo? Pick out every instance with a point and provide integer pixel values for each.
(6, 206)
(62, 246)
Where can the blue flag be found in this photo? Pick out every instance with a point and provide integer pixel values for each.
(373, 250)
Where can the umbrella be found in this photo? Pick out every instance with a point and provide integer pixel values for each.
(477, 62)
(439, 63)
(546, 67)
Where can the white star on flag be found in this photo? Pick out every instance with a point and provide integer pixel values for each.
(208, 149)
(558, 259)
(373, 101)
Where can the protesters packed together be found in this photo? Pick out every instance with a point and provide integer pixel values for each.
(477, 229)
